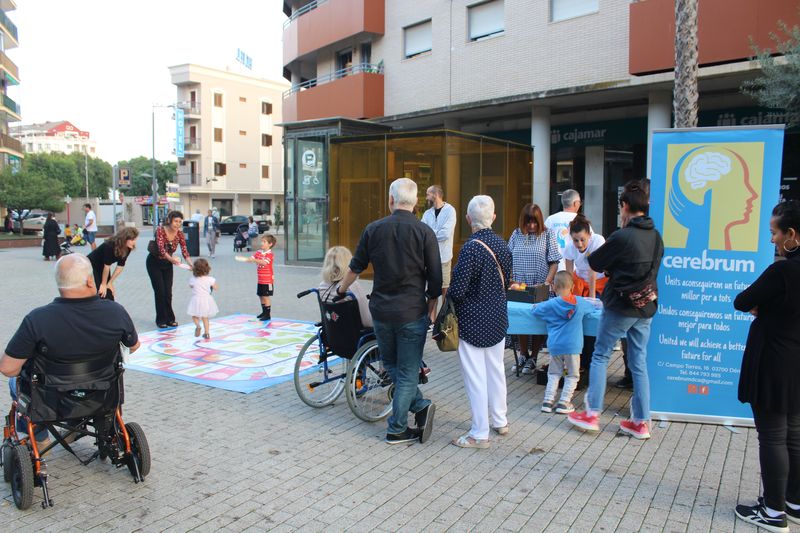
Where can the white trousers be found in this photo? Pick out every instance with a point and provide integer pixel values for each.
(558, 363)
(485, 381)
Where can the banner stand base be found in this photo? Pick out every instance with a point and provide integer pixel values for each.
(702, 419)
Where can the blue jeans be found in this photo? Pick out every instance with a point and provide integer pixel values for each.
(612, 327)
(401, 348)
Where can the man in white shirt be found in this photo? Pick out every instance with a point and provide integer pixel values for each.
(90, 226)
(198, 216)
(559, 222)
(441, 218)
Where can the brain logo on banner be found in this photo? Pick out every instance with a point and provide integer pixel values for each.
(711, 197)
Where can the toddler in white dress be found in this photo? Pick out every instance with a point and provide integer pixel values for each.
(202, 305)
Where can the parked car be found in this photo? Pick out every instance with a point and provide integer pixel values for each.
(34, 221)
(229, 224)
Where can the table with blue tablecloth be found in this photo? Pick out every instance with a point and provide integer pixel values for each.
(522, 322)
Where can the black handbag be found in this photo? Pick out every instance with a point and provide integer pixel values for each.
(152, 248)
(647, 292)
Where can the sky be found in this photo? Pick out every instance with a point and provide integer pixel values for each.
(102, 64)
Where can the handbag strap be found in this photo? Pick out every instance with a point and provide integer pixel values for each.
(496, 262)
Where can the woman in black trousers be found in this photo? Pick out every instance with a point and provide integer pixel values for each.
(160, 260)
(770, 375)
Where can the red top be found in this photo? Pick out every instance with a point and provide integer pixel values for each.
(166, 247)
(265, 272)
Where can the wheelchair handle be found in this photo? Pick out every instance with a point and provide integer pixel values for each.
(306, 293)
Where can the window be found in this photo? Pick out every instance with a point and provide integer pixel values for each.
(486, 19)
(217, 99)
(265, 172)
(223, 207)
(567, 9)
(418, 38)
(242, 99)
(220, 169)
(344, 61)
(262, 207)
(242, 133)
(366, 53)
(218, 135)
(266, 139)
(91, 149)
(266, 108)
(242, 165)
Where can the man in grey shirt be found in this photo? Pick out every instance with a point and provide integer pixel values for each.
(441, 218)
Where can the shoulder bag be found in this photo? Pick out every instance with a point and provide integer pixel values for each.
(648, 292)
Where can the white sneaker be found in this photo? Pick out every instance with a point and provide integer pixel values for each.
(530, 366)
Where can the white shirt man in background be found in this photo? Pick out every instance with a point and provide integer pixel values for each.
(559, 222)
(90, 226)
(441, 218)
(197, 216)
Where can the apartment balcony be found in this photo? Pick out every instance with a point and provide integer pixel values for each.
(325, 22)
(726, 30)
(189, 180)
(10, 109)
(10, 30)
(354, 92)
(10, 145)
(9, 69)
(8, 5)
(191, 144)
(191, 110)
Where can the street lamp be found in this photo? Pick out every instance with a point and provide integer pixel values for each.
(153, 125)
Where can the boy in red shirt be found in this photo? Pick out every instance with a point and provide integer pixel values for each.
(266, 278)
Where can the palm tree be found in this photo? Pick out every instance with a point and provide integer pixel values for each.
(685, 95)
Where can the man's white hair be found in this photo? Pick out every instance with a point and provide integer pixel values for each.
(481, 212)
(404, 192)
(569, 197)
(72, 271)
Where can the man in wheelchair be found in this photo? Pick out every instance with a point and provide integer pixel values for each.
(65, 366)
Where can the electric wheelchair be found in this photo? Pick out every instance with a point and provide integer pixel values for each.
(83, 399)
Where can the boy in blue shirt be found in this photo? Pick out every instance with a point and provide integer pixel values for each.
(564, 318)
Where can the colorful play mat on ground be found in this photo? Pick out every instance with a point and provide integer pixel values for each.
(243, 354)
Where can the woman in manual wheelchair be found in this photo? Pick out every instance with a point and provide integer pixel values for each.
(83, 400)
(343, 355)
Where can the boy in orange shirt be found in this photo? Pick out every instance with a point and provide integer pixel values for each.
(266, 276)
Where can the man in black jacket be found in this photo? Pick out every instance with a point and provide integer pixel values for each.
(408, 280)
(630, 258)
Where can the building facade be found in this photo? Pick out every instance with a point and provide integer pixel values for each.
(10, 148)
(582, 81)
(232, 153)
(49, 137)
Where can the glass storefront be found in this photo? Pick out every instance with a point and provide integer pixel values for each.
(362, 167)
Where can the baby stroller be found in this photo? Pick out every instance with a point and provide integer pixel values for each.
(83, 400)
(240, 238)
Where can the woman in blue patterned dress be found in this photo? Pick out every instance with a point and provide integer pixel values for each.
(535, 254)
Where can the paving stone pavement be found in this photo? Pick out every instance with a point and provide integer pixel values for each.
(265, 461)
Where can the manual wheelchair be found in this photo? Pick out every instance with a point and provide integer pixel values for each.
(84, 400)
(343, 356)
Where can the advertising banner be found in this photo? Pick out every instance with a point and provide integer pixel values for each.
(180, 142)
(712, 193)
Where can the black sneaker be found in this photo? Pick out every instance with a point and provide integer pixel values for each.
(424, 421)
(625, 383)
(406, 437)
(791, 514)
(757, 515)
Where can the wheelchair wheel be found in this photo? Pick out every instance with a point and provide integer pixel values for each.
(21, 477)
(8, 460)
(368, 384)
(318, 384)
(140, 450)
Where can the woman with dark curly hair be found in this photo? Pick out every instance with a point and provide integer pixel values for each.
(160, 260)
(113, 250)
(770, 376)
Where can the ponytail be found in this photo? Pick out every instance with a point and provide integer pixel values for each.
(580, 223)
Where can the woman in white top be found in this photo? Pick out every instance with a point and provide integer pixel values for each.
(583, 243)
(334, 268)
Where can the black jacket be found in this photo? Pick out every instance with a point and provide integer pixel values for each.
(770, 376)
(627, 257)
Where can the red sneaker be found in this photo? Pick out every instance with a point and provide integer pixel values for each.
(584, 420)
(639, 431)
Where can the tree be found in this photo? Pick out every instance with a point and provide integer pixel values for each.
(141, 185)
(70, 171)
(779, 85)
(278, 216)
(685, 95)
(30, 189)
